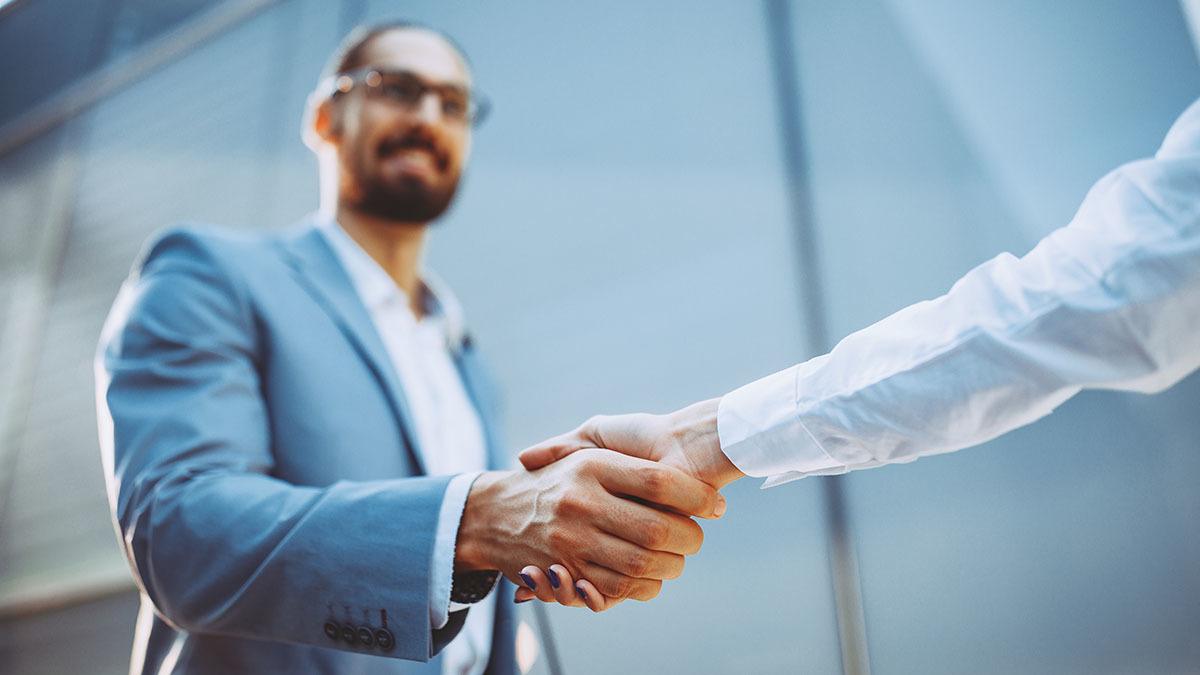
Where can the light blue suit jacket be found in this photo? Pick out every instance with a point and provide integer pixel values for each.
(261, 465)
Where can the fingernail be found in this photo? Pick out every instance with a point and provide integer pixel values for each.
(528, 581)
(579, 591)
(554, 582)
(517, 602)
(720, 510)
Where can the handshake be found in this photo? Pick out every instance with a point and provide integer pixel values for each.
(602, 513)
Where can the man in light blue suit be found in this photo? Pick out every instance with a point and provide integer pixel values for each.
(297, 433)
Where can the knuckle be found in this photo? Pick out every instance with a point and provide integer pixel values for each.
(559, 539)
(657, 533)
(588, 464)
(639, 563)
(620, 587)
(567, 504)
(657, 483)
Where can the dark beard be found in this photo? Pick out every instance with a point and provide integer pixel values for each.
(410, 201)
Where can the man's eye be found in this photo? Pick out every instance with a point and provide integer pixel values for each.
(454, 107)
(407, 92)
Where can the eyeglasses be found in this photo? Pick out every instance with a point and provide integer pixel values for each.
(407, 90)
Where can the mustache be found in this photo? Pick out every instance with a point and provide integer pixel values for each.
(414, 140)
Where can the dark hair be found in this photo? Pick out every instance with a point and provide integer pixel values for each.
(351, 54)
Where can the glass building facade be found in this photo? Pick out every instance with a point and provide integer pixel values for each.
(670, 199)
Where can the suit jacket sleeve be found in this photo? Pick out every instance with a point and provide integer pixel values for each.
(217, 543)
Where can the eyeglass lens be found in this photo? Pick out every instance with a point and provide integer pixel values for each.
(409, 90)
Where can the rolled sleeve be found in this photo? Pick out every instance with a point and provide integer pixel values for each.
(763, 436)
(1110, 301)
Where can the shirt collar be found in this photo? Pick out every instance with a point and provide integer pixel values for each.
(375, 288)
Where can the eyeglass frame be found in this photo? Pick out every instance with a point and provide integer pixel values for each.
(340, 84)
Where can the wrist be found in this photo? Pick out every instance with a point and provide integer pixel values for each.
(474, 545)
(695, 429)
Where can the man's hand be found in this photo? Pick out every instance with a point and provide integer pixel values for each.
(686, 440)
(575, 513)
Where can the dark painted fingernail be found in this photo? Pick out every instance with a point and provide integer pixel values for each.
(528, 581)
(554, 582)
(580, 593)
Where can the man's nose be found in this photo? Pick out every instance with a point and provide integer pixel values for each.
(429, 108)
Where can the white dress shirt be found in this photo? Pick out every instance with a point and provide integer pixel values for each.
(1111, 301)
(449, 433)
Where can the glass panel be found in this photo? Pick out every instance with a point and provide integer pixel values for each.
(48, 45)
(942, 133)
(93, 637)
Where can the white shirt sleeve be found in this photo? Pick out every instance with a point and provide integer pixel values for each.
(1111, 301)
(442, 575)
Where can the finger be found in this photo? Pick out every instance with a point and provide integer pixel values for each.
(523, 595)
(568, 594)
(595, 601)
(617, 586)
(630, 560)
(651, 528)
(659, 484)
(564, 586)
(535, 580)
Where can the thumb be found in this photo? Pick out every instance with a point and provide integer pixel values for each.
(546, 452)
(626, 434)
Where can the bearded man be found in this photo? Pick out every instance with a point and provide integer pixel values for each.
(300, 445)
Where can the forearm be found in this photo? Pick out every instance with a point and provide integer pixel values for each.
(1108, 302)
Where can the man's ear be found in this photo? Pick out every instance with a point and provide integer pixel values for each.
(322, 124)
(327, 122)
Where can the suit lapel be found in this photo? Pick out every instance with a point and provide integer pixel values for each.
(316, 268)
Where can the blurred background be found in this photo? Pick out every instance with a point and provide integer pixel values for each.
(671, 199)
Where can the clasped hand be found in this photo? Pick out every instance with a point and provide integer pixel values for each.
(684, 442)
(590, 515)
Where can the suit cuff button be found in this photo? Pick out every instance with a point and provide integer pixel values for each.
(332, 630)
(384, 639)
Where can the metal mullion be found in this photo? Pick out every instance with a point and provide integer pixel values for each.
(843, 557)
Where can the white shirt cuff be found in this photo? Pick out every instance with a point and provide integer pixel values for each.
(761, 432)
(442, 571)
